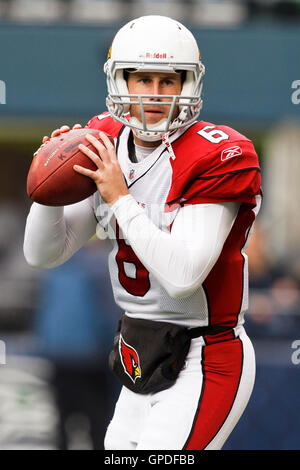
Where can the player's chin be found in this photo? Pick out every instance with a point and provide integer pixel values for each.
(154, 117)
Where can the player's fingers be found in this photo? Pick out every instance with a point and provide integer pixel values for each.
(106, 140)
(98, 146)
(55, 133)
(77, 126)
(109, 146)
(45, 139)
(59, 131)
(92, 155)
(64, 129)
(84, 171)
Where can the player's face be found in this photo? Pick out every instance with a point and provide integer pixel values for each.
(154, 83)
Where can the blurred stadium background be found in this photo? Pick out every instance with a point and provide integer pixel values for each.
(57, 326)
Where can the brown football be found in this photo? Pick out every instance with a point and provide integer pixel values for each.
(51, 180)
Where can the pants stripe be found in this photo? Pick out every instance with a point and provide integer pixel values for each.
(222, 366)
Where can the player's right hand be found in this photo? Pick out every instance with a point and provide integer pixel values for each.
(55, 133)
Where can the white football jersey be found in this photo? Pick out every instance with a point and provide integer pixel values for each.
(201, 173)
(135, 289)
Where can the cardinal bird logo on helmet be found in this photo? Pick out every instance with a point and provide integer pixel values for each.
(130, 360)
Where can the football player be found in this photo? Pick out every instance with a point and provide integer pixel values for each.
(178, 197)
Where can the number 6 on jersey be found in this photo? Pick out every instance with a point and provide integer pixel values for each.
(215, 136)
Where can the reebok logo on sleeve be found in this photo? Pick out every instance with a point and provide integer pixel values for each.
(230, 153)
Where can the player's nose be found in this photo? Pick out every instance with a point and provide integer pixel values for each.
(156, 88)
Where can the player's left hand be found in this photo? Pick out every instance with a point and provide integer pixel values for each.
(108, 176)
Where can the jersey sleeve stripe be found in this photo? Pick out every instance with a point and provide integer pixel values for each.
(228, 173)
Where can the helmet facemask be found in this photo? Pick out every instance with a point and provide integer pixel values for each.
(189, 101)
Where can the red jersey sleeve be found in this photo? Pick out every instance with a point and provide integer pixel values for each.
(233, 176)
(209, 173)
(104, 122)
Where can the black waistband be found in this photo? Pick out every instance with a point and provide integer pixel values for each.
(207, 330)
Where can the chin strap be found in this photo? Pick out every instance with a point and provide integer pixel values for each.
(167, 143)
(149, 135)
(147, 138)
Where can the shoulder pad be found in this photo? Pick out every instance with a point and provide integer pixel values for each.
(205, 146)
(104, 122)
(207, 151)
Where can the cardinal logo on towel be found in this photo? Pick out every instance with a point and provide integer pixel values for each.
(130, 360)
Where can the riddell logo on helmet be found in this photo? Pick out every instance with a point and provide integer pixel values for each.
(156, 55)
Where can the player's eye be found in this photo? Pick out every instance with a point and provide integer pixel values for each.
(145, 80)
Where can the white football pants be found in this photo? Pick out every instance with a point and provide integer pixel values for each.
(200, 410)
